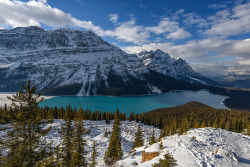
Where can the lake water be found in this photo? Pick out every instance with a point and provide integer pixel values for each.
(137, 103)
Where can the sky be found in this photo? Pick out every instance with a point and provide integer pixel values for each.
(213, 36)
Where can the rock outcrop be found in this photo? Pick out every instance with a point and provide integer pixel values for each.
(147, 156)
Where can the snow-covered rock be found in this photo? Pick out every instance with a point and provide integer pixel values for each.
(174, 67)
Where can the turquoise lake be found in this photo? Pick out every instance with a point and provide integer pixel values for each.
(136, 103)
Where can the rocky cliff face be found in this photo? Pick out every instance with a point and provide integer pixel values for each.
(174, 67)
(71, 62)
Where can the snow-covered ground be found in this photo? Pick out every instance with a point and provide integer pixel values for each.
(199, 147)
(4, 100)
(128, 130)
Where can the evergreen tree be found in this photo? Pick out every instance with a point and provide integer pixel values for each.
(106, 133)
(161, 145)
(161, 135)
(66, 137)
(137, 117)
(173, 127)
(93, 156)
(248, 129)
(184, 126)
(107, 118)
(152, 139)
(138, 142)
(131, 116)
(78, 143)
(168, 161)
(114, 151)
(24, 140)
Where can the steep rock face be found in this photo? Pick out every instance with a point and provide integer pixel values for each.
(178, 68)
(79, 61)
(71, 62)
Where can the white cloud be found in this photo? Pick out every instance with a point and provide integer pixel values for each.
(130, 32)
(33, 13)
(194, 19)
(176, 15)
(165, 25)
(235, 22)
(244, 62)
(179, 34)
(37, 12)
(171, 27)
(143, 6)
(22, 14)
(43, 1)
(218, 6)
(113, 18)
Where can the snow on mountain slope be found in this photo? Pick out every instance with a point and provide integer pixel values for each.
(72, 62)
(174, 67)
(62, 57)
(199, 147)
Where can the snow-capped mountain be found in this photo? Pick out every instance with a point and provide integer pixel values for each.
(178, 68)
(72, 62)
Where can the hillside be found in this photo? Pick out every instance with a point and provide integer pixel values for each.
(233, 149)
(198, 147)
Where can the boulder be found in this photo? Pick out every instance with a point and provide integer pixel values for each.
(147, 156)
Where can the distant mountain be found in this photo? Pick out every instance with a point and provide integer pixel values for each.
(245, 83)
(72, 62)
(177, 68)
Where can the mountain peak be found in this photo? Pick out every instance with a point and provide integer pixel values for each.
(159, 51)
(28, 29)
(82, 63)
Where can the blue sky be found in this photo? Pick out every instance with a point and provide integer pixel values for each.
(213, 36)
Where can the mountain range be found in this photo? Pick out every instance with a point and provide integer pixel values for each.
(73, 62)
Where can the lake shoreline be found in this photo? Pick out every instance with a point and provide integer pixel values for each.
(127, 104)
(137, 103)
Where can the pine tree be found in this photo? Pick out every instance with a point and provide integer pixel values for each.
(107, 118)
(138, 142)
(114, 151)
(161, 135)
(93, 156)
(152, 139)
(24, 141)
(66, 137)
(184, 126)
(106, 133)
(173, 127)
(248, 129)
(161, 145)
(78, 143)
(168, 161)
(131, 116)
(51, 160)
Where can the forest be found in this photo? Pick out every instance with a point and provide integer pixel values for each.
(26, 146)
